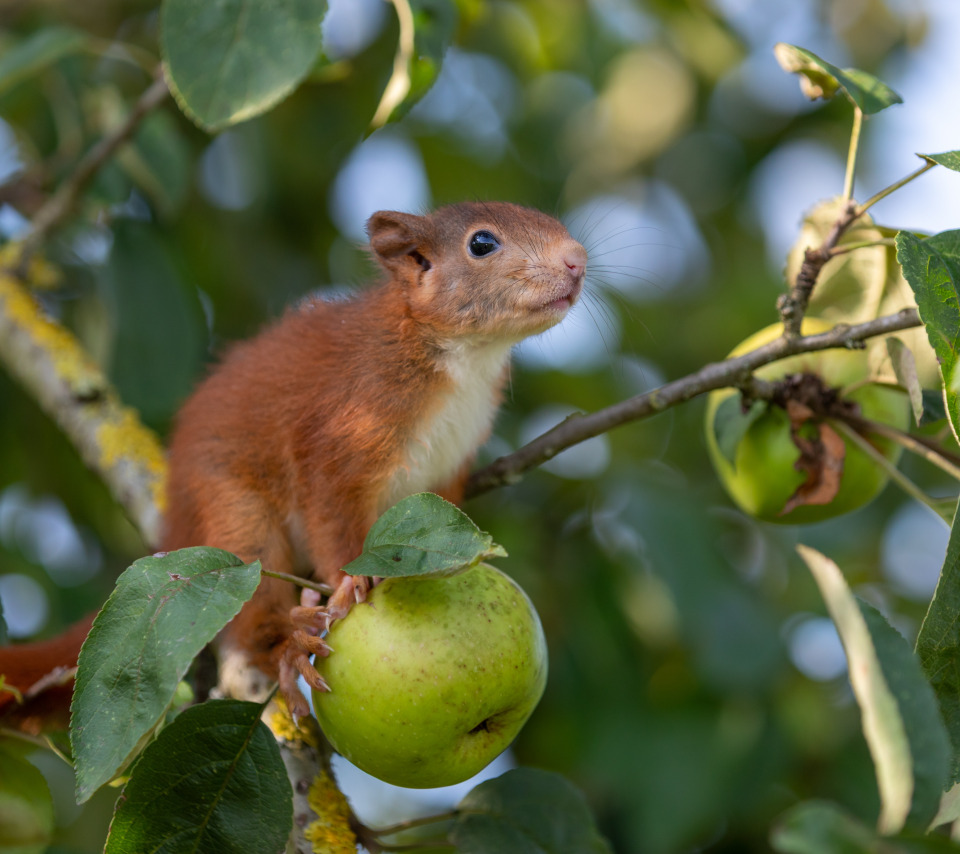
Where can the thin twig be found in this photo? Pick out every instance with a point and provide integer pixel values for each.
(941, 458)
(895, 474)
(730, 372)
(844, 248)
(62, 202)
(411, 823)
(325, 589)
(886, 191)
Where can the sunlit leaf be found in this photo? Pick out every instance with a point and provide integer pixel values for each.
(851, 286)
(950, 159)
(526, 811)
(820, 79)
(932, 267)
(901, 722)
(426, 31)
(423, 534)
(163, 611)
(213, 781)
(229, 60)
(37, 52)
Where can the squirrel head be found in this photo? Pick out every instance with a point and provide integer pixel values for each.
(483, 269)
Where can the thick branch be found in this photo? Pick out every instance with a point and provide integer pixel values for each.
(731, 372)
(62, 202)
(54, 369)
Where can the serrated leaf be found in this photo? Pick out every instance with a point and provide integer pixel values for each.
(905, 370)
(731, 423)
(26, 805)
(229, 60)
(37, 52)
(821, 79)
(212, 783)
(932, 267)
(950, 159)
(526, 811)
(938, 646)
(163, 611)
(423, 535)
(901, 722)
(417, 64)
(820, 827)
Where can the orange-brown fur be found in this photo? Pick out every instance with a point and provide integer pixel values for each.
(303, 435)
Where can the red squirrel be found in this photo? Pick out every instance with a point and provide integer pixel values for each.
(302, 436)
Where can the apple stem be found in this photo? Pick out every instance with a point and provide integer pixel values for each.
(852, 153)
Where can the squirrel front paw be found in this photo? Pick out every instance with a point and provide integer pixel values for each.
(304, 642)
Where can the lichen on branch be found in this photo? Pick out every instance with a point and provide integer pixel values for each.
(56, 371)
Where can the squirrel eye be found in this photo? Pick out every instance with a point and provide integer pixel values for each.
(483, 243)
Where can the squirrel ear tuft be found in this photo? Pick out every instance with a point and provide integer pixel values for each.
(395, 236)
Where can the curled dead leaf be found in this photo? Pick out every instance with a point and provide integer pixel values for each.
(821, 459)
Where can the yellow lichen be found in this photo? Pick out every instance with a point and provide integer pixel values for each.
(125, 437)
(330, 833)
(281, 724)
(68, 358)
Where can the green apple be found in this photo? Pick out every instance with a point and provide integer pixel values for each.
(763, 476)
(432, 678)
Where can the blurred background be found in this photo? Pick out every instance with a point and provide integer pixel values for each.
(696, 689)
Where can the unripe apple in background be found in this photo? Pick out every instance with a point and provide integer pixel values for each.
(432, 677)
(764, 477)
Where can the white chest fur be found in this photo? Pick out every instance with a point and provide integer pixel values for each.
(454, 430)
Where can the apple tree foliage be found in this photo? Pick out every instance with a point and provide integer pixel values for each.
(209, 776)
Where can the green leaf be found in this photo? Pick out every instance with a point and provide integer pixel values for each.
(26, 805)
(820, 79)
(229, 60)
(526, 811)
(950, 159)
(423, 535)
(933, 407)
(819, 827)
(213, 781)
(938, 646)
(731, 423)
(901, 722)
(159, 337)
(37, 52)
(932, 267)
(905, 369)
(163, 611)
(418, 61)
(917, 704)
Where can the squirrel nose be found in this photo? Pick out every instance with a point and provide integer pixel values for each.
(575, 258)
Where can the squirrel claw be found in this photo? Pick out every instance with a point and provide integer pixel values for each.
(289, 669)
(311, 644)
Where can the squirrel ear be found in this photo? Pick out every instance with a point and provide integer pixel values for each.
(398, 239)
